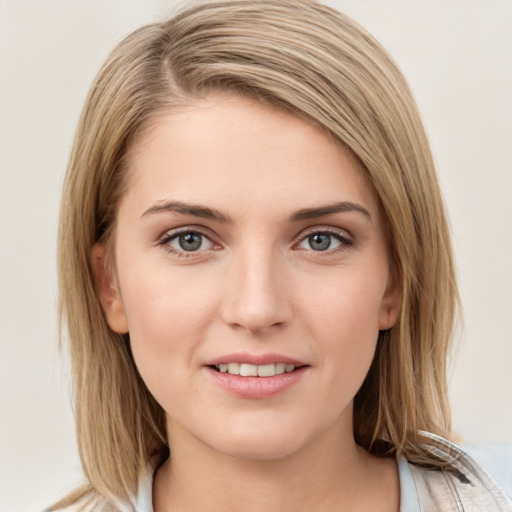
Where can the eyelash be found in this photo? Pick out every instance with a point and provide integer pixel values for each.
(172, 235)
(346, 242)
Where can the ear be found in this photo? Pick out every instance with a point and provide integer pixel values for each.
(108, 292)
(391, 301)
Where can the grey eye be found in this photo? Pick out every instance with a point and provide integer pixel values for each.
(184, 242)
(323, 241)
(190, 241)
(319, 241)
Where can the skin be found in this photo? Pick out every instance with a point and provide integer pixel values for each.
(256, 285)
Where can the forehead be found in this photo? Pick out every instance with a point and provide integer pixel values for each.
(237, 151)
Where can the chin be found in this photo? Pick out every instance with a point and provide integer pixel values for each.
(259, 443)
(259, 450)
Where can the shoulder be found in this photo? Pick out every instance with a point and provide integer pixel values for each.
(94, 502)
(464, 486)
(87, 500)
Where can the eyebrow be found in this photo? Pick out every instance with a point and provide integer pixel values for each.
(342, 207)
(213, 214)
(188, 209)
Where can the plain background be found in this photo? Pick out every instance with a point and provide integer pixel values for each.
(457, 56)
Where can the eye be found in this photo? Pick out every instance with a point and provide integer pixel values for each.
(187, 241)
(320, 241)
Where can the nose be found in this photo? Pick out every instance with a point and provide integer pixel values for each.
(256, 298)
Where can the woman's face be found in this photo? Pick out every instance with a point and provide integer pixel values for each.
(248, 241)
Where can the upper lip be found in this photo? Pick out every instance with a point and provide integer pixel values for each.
(255, 359)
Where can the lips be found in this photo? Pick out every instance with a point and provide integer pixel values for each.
(255, 359)
(255, 376)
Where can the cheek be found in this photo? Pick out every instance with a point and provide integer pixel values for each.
(350, 303)
(162, 299)
(344, 321)
(168, 315)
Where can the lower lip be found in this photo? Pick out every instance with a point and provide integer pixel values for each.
(256, 387)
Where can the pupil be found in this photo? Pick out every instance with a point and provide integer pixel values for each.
(320, 242)
(190, 241)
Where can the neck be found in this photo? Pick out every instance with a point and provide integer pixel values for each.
(330, 471)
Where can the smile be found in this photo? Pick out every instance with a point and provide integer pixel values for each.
(253, 370)
(255, 376)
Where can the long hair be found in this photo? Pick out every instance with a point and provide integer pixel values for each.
(305, 58)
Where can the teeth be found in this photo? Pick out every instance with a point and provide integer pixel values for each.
(234, 368)
(266, 370)
(248, 370)
(252, 370)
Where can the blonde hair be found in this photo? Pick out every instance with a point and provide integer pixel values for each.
(303, 57)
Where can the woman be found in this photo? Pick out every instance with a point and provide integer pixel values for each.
(256, 274)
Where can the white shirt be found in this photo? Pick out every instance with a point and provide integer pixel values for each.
(466, 488)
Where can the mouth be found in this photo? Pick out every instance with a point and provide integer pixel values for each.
(253, 370)
(255, 376)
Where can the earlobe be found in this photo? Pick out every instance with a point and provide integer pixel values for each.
(391, 301)
(108, 292)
